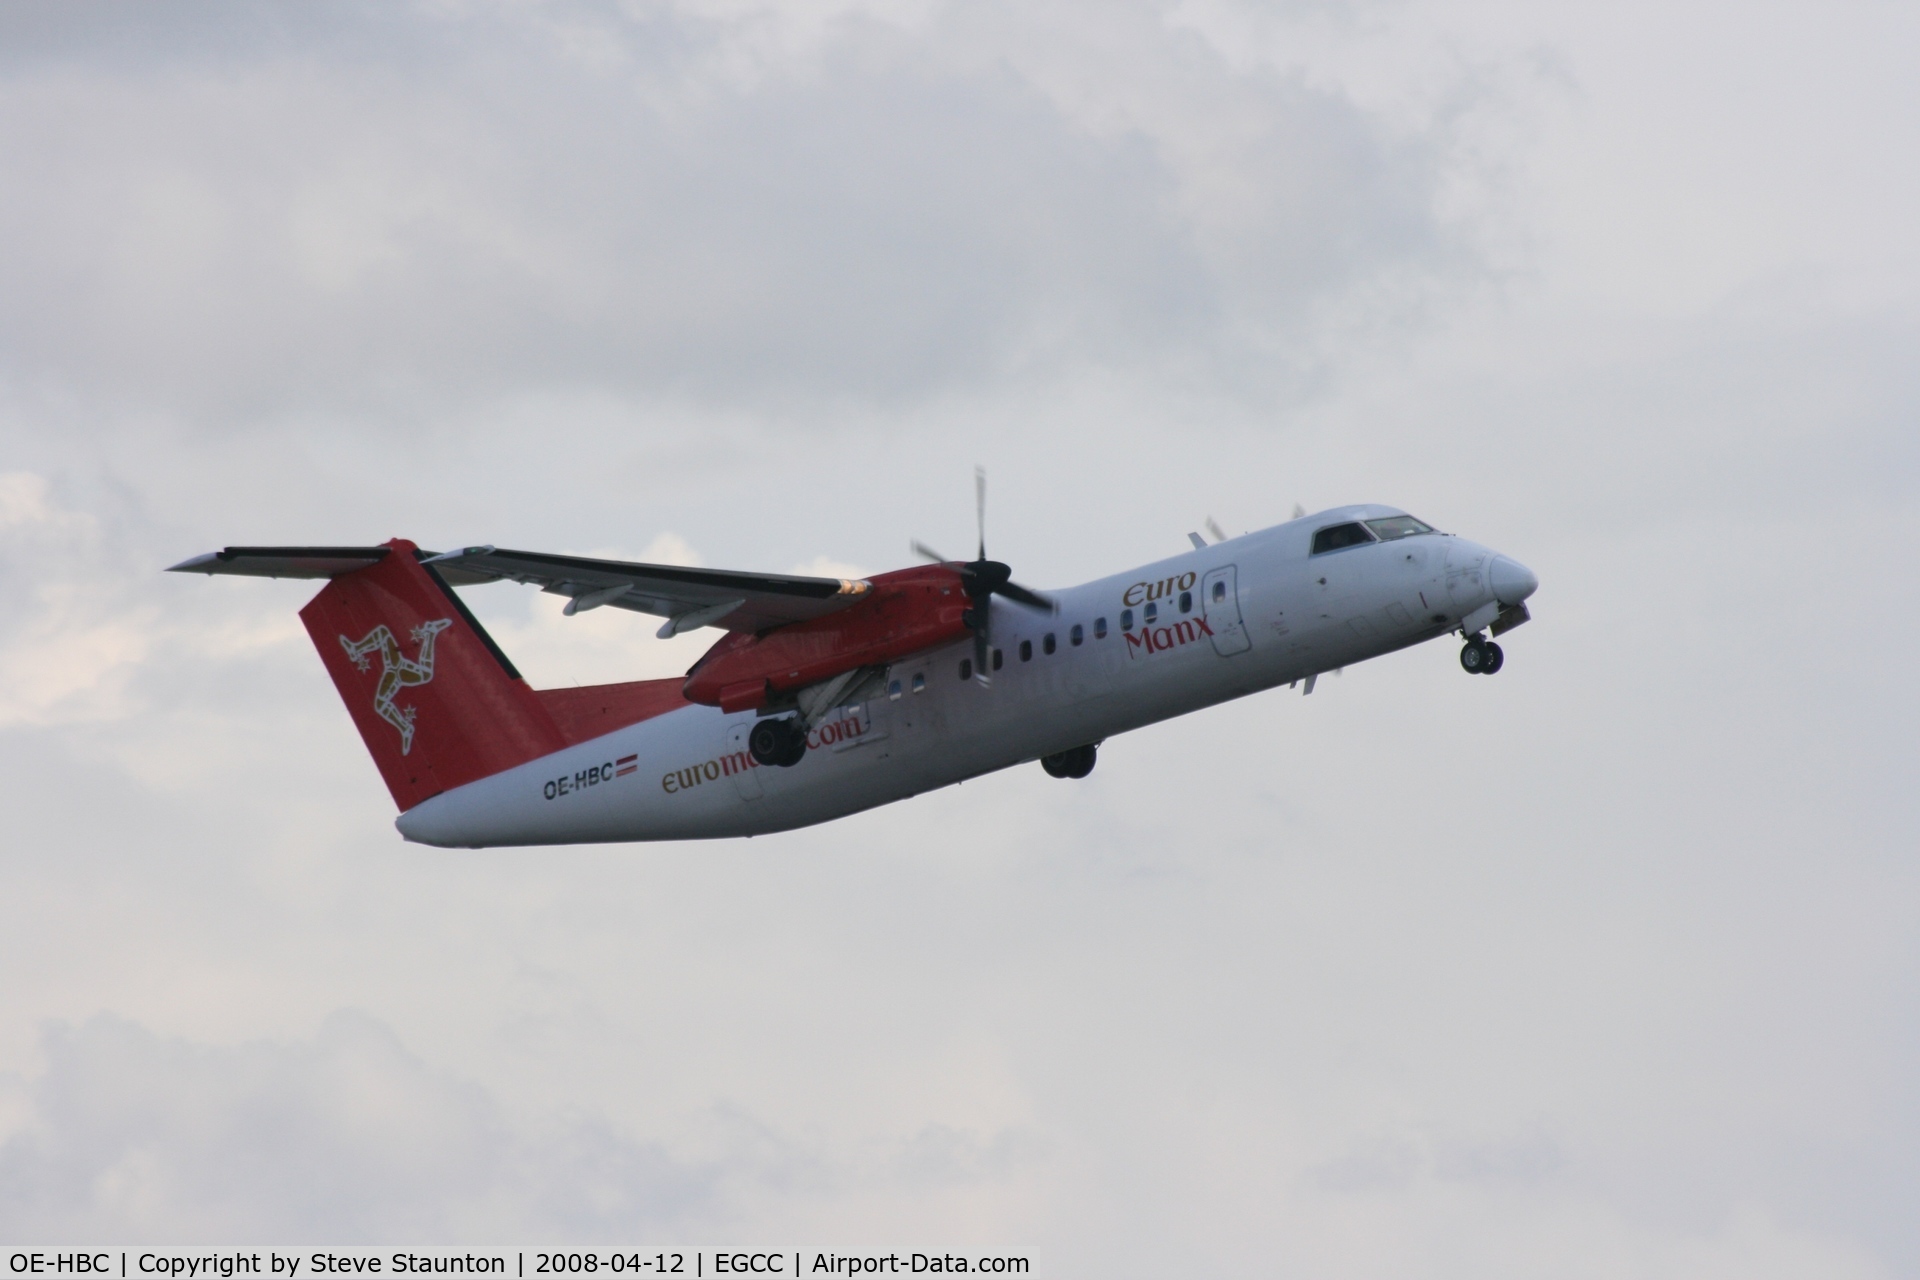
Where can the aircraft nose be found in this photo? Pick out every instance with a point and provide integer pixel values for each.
(1512, 581)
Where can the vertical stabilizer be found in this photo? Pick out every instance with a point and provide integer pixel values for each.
(435, 700)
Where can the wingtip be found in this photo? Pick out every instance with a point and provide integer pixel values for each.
(196, 564)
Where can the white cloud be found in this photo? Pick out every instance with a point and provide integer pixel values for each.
(668, 548)
(70, 654)
(829, 567)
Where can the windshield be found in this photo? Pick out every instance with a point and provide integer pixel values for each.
(1337, 536)
(1397, 527)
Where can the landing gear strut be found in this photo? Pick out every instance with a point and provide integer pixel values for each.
(779, 742)
(1075, 762)
(1481, 657)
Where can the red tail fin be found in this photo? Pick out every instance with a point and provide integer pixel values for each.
(437, 703)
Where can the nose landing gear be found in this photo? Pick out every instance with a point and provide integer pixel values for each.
(1075, 762)
(1481, 657)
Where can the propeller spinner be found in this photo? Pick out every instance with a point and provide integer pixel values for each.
(983, 579)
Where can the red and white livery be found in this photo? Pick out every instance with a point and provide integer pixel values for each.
(826, 697)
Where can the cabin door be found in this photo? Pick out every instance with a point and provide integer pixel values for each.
(1220, 605)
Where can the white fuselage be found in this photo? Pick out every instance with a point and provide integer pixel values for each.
(1261, 611)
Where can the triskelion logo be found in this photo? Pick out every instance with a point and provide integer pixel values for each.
(397, 670)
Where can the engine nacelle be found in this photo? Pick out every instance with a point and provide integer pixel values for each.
(907, 611)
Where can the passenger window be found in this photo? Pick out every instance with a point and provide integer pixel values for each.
(1099, 628)
(919, 682)
(998, 658)
(966, 669)
(1046, 643)
(1219, 590)
(893, 688)
(1334, 537)
(1026, 651)
(1186, 602)
(1076, 635)
(1126, 619)
(1153, 612)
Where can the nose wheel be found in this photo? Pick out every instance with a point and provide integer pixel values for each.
(1076, 762)
(1481, 657)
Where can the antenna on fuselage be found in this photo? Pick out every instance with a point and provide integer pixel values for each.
(980, 507)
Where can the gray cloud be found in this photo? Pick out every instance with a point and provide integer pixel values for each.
(365, 208)
(1601, 965)
(135, 1136)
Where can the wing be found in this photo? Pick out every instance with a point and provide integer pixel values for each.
(686, 598)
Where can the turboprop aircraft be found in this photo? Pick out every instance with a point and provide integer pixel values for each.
(826, 697)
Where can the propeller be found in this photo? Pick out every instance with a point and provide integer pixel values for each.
(983, 579)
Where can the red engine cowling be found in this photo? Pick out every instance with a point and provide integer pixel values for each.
(907, 611)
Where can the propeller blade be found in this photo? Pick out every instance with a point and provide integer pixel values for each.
(981, 644)
(1213, 527)
(980, 507)
(926, 552)
(1021, 595)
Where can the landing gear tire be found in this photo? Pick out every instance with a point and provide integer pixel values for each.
(1494, 658)
(1474, 659)
(778, 743)
(1075, 762)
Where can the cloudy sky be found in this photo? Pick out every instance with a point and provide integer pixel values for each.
(1609, 966)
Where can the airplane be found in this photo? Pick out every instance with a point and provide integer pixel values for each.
(826, 697)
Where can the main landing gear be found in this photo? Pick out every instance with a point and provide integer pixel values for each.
(1075, 762)
(779, 742)
(1481, 657)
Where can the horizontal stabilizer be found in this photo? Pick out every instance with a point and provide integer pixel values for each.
(283, 562)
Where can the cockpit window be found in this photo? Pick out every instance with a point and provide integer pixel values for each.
(1337, 536)
(1398, 527)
